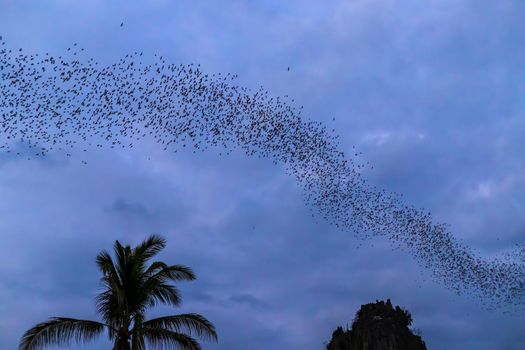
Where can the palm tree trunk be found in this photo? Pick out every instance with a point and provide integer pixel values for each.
(121, 344)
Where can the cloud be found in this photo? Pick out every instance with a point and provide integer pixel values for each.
(23, 151)
(381, 138)
(131, 209)
(249, 300)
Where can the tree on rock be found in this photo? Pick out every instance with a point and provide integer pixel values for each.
(378, 326)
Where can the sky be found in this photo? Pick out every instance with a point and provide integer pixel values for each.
(428, 91)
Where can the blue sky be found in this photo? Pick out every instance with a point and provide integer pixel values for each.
(430, 92)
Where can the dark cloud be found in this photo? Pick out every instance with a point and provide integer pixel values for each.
(249, 300)
(22, 151)
(126, 208)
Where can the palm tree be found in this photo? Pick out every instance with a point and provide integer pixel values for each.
(130, 287)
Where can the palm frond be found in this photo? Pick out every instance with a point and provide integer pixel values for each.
(60, 331)
(189, 323)
(122, 257)
(155, 267)
(158, 292)
(106, 265)
(112, 306)
(150, 247)
(112, 298)
(173, 272)
(161, 339)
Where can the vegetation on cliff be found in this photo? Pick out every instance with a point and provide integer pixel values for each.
(378, 326)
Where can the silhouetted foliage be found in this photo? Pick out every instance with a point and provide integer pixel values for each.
(130, 288)
(378, 326)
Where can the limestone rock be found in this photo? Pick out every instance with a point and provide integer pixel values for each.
(378, 326)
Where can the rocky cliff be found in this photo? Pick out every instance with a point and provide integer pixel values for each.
(378, 326)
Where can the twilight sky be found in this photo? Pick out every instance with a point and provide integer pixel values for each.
(429, 91)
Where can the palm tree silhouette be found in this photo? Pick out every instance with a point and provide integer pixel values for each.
(130, 287)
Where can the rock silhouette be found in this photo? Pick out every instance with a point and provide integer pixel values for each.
(378, 326)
